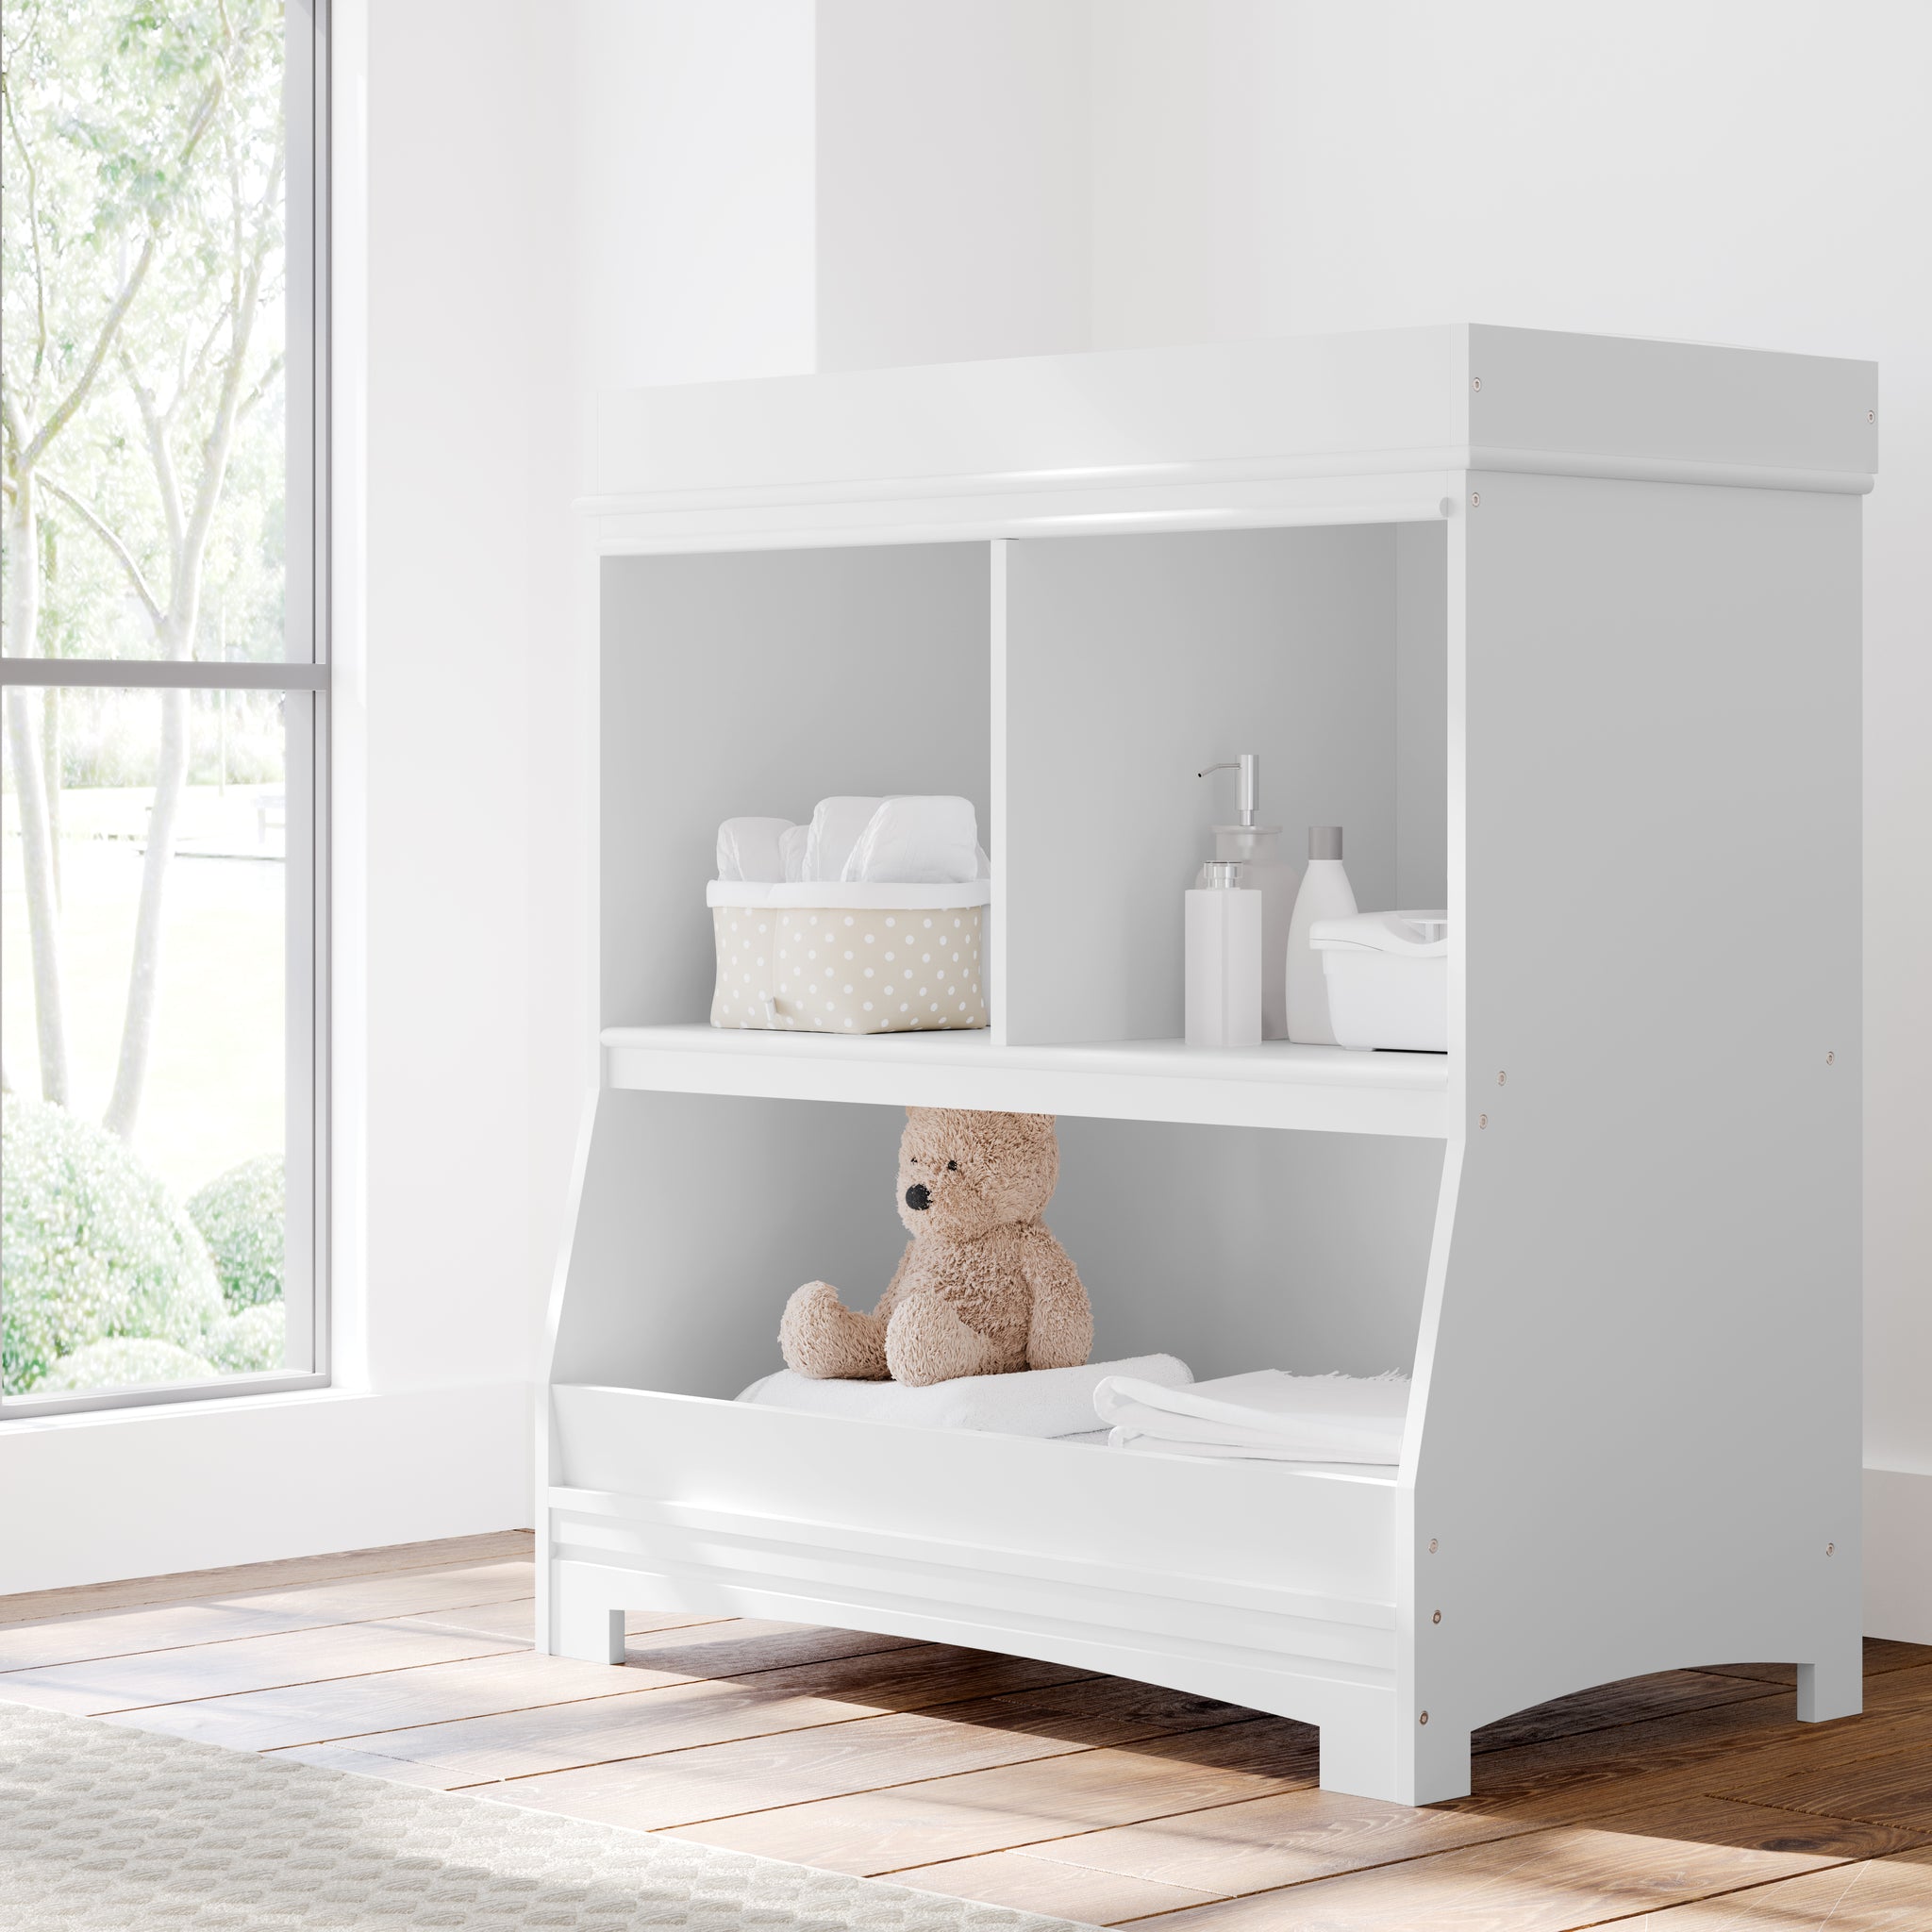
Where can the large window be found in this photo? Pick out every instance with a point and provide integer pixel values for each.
(163, 675)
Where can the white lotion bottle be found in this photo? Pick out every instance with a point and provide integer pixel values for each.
(1224, 960)
(1326, 893)
(1262, 869)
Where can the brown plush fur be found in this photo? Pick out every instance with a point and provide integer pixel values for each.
(982, 1288)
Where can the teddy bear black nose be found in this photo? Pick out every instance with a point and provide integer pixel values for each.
(919, 1197)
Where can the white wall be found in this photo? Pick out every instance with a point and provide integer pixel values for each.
(690, 130)
(953, 218)
(1189, 169)
(453, 364)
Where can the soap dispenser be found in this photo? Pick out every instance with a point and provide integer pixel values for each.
(1255, 849)
(1223, 959)
(1326, 893)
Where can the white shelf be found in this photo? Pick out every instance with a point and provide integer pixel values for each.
(1318, 1088)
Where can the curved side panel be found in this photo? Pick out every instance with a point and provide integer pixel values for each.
(1641, 1441)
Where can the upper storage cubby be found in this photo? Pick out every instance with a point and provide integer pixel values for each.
(754, 683)
(1132, 661)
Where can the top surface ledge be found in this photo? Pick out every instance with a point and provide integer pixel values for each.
(1464, 395)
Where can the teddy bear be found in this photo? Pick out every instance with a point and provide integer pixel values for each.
(983, 1288)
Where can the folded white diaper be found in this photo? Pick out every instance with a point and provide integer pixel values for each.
(917, 841)
(749, 850)
(912, 840)
(791, 844)
(1266, 1416)
(1033, 1401)
(837, 826)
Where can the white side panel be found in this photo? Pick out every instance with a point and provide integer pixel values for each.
(1131, 663)
(1641, 1444)
(1540, 394)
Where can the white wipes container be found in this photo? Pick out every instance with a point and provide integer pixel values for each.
(1387, 977)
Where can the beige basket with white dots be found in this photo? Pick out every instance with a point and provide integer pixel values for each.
(834, 958)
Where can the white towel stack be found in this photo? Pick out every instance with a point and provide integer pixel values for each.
(1267, 1416)
(1032, 1402)
(914, 841)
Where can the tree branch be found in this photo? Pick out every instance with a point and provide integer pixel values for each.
(215, 447)
(33, 222)
(159, 453)
(135, 577)
(262, 388)
(109, 328)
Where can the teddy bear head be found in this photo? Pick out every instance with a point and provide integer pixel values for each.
(963, 1173)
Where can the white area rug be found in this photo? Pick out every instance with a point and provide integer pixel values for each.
(110, 1828)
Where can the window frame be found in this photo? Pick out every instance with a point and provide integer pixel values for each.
(302, 676)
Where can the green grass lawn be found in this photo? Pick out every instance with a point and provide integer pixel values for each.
(216, 1078)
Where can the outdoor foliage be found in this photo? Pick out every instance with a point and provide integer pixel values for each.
(126, 1362)
(242, 1345)
(93, 1247)
(241, 1217)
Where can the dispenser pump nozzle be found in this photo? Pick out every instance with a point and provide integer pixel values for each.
(1249, 766)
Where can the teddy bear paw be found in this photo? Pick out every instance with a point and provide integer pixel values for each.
(926, 1342)
(822, 1338)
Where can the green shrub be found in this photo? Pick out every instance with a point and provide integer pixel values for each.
(92, 1247)
(246, 1343)
(241, 1216)
(127, 1362)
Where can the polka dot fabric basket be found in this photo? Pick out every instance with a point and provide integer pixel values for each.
(836, 958)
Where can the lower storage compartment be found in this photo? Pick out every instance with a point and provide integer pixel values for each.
(1262, 1585)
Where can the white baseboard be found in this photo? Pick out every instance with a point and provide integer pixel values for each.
(1898, 1554)
(197, 1486)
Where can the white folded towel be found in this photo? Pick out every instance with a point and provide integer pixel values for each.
(1033, 1401)
(837, 824)
(916, 841)
(1265, 1416)
(749, 850)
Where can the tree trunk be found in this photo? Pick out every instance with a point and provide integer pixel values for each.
(143, 978)
(50, 767)
(42, 916)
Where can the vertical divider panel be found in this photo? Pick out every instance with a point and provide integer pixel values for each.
(998, 842)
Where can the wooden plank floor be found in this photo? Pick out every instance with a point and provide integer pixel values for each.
(1687, 1802)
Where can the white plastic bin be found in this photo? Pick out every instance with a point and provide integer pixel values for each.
(1388, 976)
(836, 958)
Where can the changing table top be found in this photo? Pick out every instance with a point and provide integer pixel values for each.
(1370, 426)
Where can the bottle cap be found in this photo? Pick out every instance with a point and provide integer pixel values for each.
(1324, 842)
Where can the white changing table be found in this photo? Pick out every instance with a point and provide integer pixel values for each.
(1565, 631)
